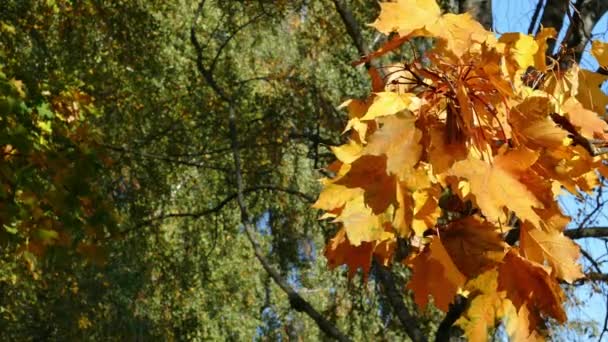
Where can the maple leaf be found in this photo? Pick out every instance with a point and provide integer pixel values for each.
(540, 58)
(485, 307)
(389, 103)
(356, 110)
(348, 152)
(360, 224)
(369, 173)
(406, 16)
(590, 93)
(335, 196)
(520, 50)
(589, 123)
(599, 50)
(528, 284)
(559, 251)
(398, 139)
(473, 245)
(435, 274)
(442, 155)
(460, 33)
(533, 126)
(339, 251)
(495, 188)
(417, 205)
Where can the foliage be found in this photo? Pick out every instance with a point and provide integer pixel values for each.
(136, 130)
(459, 150)
(50, 191)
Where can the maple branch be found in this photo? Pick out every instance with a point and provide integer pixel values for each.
(590, 232)
(456, 310)
(396, 300)
(595, 276)
(295, 300)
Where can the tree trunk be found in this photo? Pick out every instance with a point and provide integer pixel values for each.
(481, 10)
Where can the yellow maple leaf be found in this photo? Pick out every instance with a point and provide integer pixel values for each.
(495, 188)
(590, 124)
(550, 245)
(532, 125)
(426, 210)
(540, 58)
(485, 307)
(389, 103)
(599, 50)
(461, 33)
(360, 224)
(406, 16)
(398, 139)
(335, 196)
(348, 152)
(590, 93)
(356, 110)
(520, 51)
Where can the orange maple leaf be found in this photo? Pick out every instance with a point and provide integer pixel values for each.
(435, 274)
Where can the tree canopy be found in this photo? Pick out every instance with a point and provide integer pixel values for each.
(163, 164)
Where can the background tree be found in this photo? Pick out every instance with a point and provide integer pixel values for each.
(180, 89)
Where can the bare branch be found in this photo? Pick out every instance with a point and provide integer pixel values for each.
(537, 10)
(593, 276)
(589, 232)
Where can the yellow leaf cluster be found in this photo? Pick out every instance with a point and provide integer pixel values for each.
(456, 155)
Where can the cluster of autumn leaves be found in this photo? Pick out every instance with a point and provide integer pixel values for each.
(460, 150)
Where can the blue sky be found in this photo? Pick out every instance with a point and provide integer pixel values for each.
(515, 16)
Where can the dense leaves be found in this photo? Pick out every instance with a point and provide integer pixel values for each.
(456, 150)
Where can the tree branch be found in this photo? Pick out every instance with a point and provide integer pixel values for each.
(537, 10)
(396, 300)
(164, 158)
(352, 27)
(590, 232)
(225, 201)
(594, 276)
(456, 310)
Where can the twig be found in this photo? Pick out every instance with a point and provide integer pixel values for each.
(225, 201)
